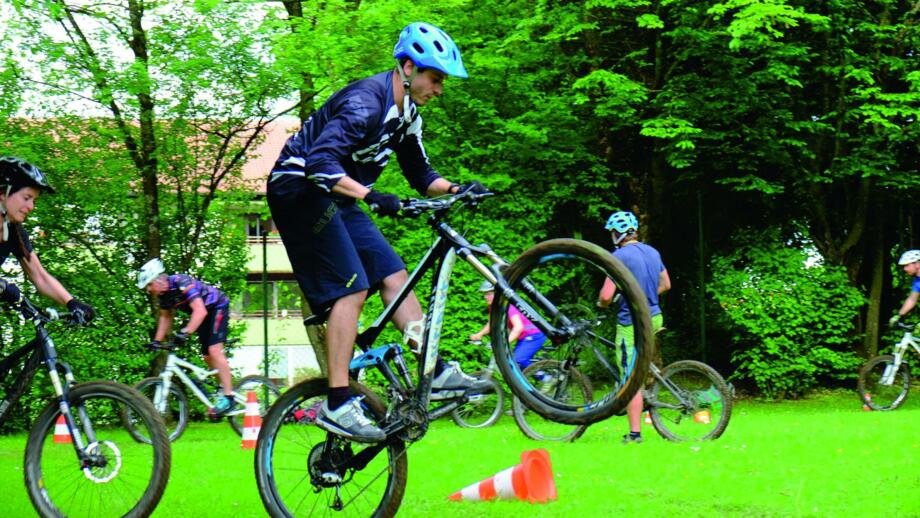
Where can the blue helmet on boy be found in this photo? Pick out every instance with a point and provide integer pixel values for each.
(430, 47)
(622, 222)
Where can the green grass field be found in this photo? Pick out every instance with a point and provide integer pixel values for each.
(818, 457)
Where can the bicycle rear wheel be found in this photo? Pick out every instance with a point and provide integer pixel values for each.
(560, 281)
(874, 393)
(551, 378)
(482, 410)
(692, 404)
(301, 470)
(266, 395)
(119, 476)
(172, 407)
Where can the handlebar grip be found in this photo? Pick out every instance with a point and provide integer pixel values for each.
(374, 207)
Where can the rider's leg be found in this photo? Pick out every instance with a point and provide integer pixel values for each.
(341, 331)
(634, 413)
(527, 347)
(410, 309)
(217, 360)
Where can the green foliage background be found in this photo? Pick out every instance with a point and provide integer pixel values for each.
(786, 120)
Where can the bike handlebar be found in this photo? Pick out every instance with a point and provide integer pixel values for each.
(412, 207)
(30, 311)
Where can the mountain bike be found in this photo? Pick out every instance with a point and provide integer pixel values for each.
(169, 399)
(884, 381)
(79, 460)
(302, 470)
(688, 401)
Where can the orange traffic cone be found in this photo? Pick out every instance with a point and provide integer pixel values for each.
(531, 480)
(648, 418)
(866, 407)
(252, 421)
(702, 417)
(61, 433)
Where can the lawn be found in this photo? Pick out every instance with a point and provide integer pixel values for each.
(818, 457)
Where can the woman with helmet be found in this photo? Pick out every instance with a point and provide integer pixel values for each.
(528, 339)
(21, 184)
(910, 261)
(337, 252)
(644, 262)
(208, 308)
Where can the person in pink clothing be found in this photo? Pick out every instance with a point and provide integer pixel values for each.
(528, 337)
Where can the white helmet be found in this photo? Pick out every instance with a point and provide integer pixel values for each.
(150, 271)
(910, 256)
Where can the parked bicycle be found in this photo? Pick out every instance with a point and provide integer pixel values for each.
(302, 470)
(170, 401)
(884, 381)
(688, 401)
(93, 469)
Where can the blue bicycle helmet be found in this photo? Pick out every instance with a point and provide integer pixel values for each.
(430, 47)
(622, 222)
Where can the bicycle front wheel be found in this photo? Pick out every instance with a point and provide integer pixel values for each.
(559, 281)
(301, 470)
(483, 409)
(873, 388)
(550, 377)
(172, 407)
(266, 394)
(691, 402)
(114, 474)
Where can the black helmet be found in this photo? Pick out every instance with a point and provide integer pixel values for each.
(17, 173)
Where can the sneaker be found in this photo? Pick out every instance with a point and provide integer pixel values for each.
(453, 382)
(627, 439)
(221, 407)
(349, 421)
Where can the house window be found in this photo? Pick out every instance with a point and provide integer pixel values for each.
(284, 299)
(256, 226)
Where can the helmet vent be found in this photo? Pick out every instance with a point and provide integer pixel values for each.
(418, 48)
(439, 46)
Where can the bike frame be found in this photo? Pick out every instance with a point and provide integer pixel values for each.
(442, 255)
(908, 340)
(176, 366)
(41, 350)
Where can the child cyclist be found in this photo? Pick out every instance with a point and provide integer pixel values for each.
(644, 262)
(910, 261)
(528, 338)
(208, 307)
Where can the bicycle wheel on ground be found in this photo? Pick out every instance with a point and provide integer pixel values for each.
(879, 395)
(301, 470)
(266, 394)
(482, 409)
(118, 477)
(693, 403)
(560, 281)
(550, 377)
(172, 407)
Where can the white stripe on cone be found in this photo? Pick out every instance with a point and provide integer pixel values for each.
(252, 421)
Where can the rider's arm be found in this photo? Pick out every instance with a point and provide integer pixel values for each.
(164, 324)
(438, 187)
(607, 293)
(482, 332)
(348, 186)
(664, 281)
(46, 283)
(199, 313)
(517, 327)
(909, 303)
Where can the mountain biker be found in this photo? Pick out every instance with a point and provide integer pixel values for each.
(209, 310)
(910, 261)
(644, 262)
(21, 184)
(527, 337)
(337, 252)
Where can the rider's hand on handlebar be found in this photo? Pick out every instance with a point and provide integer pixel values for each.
(475, 187)
(180, 338)
(893, 321)
(81, 312)
(9, 292)
(154, 345)
(383, 203)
